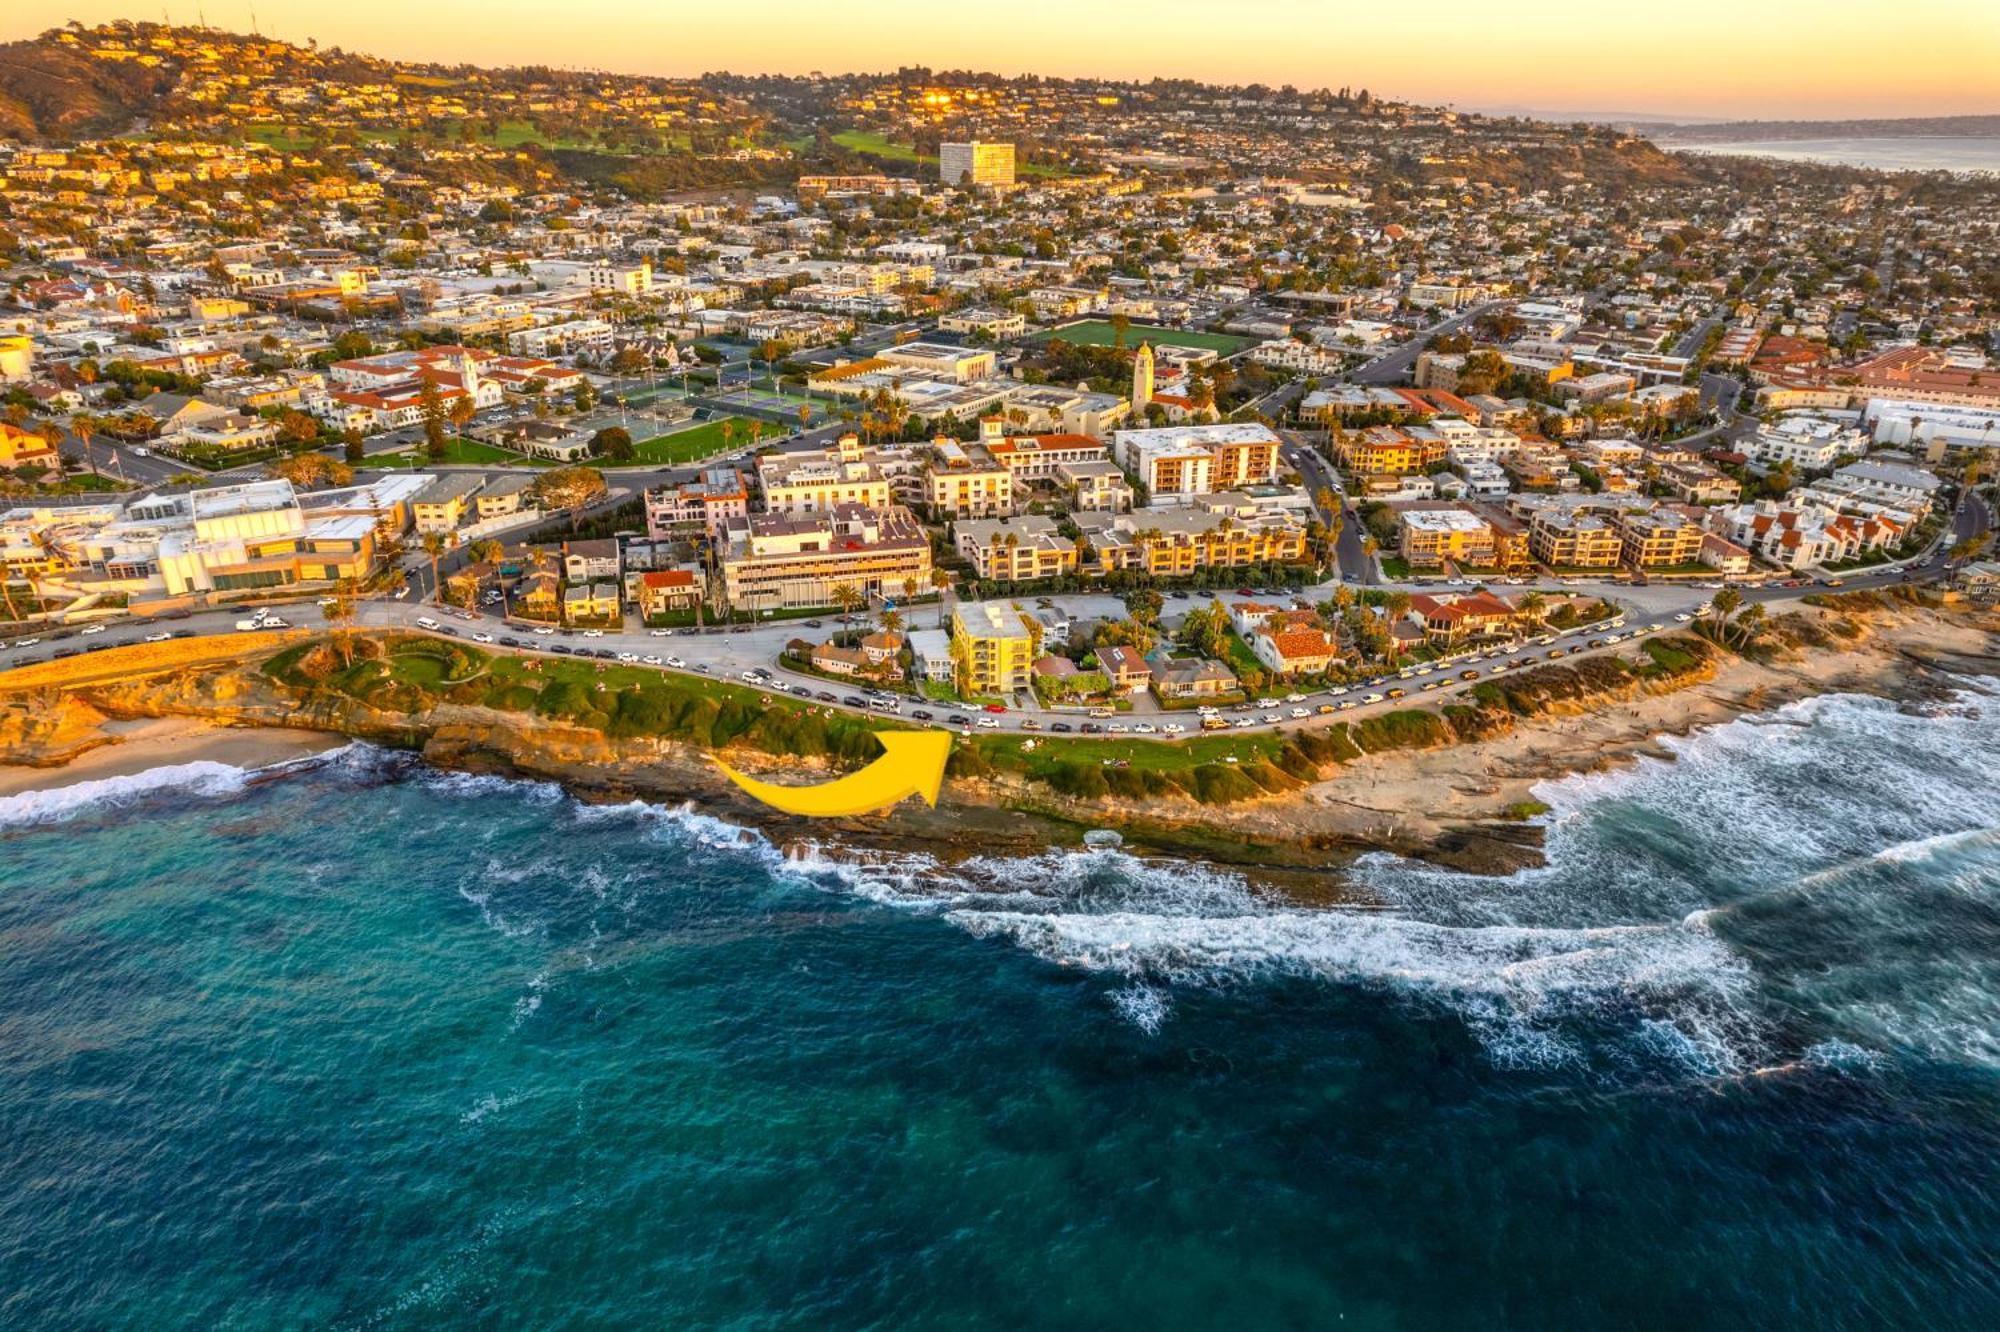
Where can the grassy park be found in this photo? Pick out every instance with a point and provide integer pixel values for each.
(1099, 333)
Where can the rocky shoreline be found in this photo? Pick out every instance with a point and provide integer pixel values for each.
(1467, 805)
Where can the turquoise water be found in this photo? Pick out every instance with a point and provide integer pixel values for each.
(362, 1045)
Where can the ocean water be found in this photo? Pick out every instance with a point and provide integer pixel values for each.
(1961, 154)
(357, 1044)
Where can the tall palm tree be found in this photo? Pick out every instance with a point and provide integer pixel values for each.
(83, 425)
(435, 545)
(940, 580)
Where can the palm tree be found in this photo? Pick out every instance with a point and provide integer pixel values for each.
(849, 599)
(941, 581)
(1721, 605)
(805, 416)
(1748, 621)
(83, 426)
(436, 544)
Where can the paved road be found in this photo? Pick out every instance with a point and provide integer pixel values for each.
(728, 653)
(1394, 365)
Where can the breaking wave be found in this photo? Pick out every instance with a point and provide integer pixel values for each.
(198, 780)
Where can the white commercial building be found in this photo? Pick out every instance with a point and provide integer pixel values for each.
(976, 163)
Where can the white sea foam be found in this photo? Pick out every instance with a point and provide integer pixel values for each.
(1144, 1006)
(202, 779)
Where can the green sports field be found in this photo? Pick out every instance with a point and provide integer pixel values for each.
(1099, 333)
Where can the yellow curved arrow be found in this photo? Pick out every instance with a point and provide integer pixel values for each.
(912, 763)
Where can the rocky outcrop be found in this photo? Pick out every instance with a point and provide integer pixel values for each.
(47, 729)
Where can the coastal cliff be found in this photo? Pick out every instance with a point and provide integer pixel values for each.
(1452, 784)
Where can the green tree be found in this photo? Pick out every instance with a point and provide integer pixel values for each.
(570, 490)
(430, 406)
(615, 443)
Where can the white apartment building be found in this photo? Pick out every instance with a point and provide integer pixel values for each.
(976, 163)
(622, 279)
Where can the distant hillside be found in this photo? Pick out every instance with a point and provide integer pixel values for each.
(1760, 131)
(49, 91)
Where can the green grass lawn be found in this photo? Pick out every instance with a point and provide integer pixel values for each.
(867, 141)
(696, 442)
(457, 450)
(1099, 333)
(1174, 755)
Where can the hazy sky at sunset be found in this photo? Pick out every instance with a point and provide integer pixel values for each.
(1772, 58)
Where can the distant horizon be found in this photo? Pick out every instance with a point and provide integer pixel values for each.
(1776, 62)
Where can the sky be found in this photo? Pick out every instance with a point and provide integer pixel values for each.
(1767, 59)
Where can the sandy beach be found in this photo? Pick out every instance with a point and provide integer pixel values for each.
(155, 742)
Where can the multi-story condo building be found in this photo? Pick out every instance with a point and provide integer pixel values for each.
(1387, 451)
(818, 481)
(976, 163)
(621, 279)
(1659, 539)
(1009, 550)
(1171, 543)
(992, 648)
(1431, 536)
(1574, 540)
(1197, 459)
(964, 481)
(782, 561)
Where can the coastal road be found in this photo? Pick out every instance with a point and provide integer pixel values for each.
(754, 650)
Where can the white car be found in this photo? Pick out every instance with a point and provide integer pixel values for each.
(1116, 728)
(675, 662)
(93, 629)
(1173, 728)
(482, 638)
(662, 633)
(1682, 619)
(423, 622)
(543, 632)
(1145, 728)
(593, 633)
(1372, 698)
(651, 660)
(1295, 698)
(160, 637)
(989, 723)
(28, 643)
(1300, 714)
(629, 658)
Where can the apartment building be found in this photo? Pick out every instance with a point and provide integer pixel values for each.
(1574, 540)
(1429, 537)
(1387, 451)
(1171, 543)
(795, 560)
(1197, 459)
(992, 648)
(965, 481)
(1659, 539)
(441, 506)
(621, 279)
(1009, 550)
(976, 163)
(824, 479)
